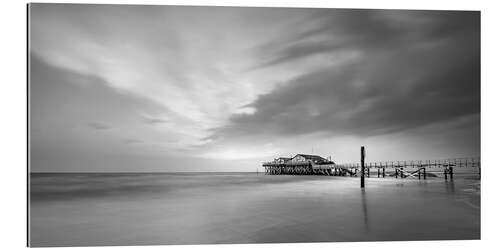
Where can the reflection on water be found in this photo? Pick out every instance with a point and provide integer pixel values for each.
(450, 186)
(365, 209)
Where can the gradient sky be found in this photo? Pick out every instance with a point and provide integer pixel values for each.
(168, 88)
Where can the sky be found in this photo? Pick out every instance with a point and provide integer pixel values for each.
(120, 88)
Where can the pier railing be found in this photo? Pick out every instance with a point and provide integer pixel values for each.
(474, 162)
(446, 168)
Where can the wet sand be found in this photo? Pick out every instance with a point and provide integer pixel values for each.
(146, 209)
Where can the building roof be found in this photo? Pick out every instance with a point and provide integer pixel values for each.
(312, 157)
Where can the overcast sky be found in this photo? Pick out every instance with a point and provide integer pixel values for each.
(164, 88)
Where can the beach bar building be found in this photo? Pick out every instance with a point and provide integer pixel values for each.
(302, 164)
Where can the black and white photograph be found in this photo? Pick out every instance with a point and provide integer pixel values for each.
(187, 125)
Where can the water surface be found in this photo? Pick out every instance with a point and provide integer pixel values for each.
(206, 208)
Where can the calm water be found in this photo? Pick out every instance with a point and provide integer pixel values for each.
(199, 208)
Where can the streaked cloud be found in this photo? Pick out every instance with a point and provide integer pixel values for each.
(132, 141)
(99, 125)
(155, 120)
(413, 72)
(244, 84)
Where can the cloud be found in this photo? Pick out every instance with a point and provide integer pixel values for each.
(155, 120)
(99, 125)
(67, 108)
(178, 77)
(416, 69)
(132, 141)
(170, 55)
(368, 31)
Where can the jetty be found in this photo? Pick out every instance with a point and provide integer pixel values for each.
(304, 164)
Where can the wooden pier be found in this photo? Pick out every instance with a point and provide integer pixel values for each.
(420, 169)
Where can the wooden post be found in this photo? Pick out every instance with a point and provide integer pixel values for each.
(362, 167)
(425, 175)
(446, 173)
(378, 172)
(419, 173)
(451, 173)
(383, 172)
(396, 169)
(368, 170)
(402, 173)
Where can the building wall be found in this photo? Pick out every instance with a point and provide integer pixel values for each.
(280, 160)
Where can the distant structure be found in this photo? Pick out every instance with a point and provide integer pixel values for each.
(305, 164)
(302, 164)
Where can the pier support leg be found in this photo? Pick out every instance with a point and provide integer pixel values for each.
(383, 172)
(451, 173)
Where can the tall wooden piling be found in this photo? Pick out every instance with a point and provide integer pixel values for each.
(362, 167)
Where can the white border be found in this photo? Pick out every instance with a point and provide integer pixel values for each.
(13, 114)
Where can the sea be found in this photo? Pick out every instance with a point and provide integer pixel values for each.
(109, 209)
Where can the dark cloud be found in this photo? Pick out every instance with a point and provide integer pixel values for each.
(99, 125)
(416, 68)
(368, 31)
